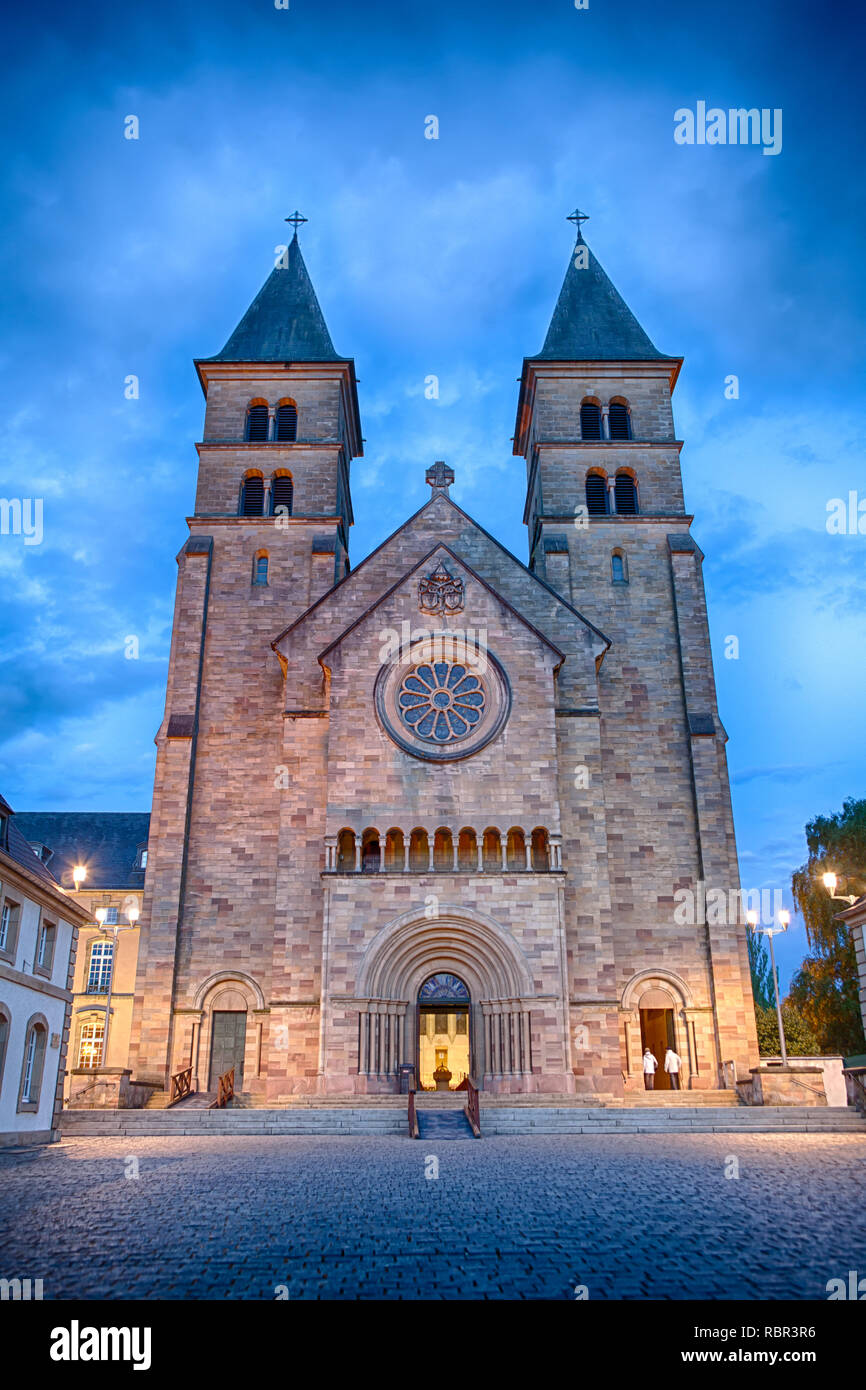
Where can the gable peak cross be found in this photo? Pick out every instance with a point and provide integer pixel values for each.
(440, 477)
(578, 218)
(295, 221)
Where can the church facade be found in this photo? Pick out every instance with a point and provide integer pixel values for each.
(438, 811)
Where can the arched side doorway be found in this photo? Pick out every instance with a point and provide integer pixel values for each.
(227, 1034)
(444, 1058)
(657, 1031)
(658, 1012)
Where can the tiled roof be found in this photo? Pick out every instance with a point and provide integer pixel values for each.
(107, 842)
(18, 848)
(592, 322)
(284, 322)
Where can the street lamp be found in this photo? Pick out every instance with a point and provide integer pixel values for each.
(79, 874)
(132, 917)
(830, 881)
(784, 918)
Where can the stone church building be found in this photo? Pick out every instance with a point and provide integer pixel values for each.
(434, 810)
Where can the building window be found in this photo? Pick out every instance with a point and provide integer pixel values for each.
(618, 568)
(260, 569)
(9, 915)
(34, 1059)
(90, 1042)
(45, 951)
(253, 496)
(99, 972)
(590, 421)
(142, 859)
(4, 1040)
(596, 495)
(110, 917)
(257, 423)
(287, 421)
(625, 492)
(282, 494)
(619, 421)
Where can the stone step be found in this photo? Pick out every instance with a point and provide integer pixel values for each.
(443, 1124)
(498, 1119)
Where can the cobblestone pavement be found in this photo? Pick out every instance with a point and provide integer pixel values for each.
(633, 1216)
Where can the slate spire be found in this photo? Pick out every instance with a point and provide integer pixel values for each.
(284, 323)
(591, 321)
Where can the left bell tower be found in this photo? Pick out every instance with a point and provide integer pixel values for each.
(268, 537)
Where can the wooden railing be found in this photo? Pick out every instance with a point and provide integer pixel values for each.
(181, 1086)
(225, 1091)
(413, 1117)
(855, 1085)
(472, 1109)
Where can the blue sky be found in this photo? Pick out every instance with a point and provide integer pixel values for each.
(132, 257)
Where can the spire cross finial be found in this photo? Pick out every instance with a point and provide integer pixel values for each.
(577, 217)
(296, 219)
(440, 477)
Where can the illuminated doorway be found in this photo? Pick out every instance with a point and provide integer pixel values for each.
(443, 1033)
(657, 1034)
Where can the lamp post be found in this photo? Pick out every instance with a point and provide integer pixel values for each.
(783, 918)
(132, 917)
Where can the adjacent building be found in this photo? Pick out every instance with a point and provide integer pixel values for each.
(39, 924)
(111, 849)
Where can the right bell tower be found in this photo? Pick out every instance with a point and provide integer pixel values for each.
(609, 531)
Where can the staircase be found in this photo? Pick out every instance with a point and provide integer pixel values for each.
(438, 1124)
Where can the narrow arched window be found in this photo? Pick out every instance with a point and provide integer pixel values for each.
(257, 422)
(287, 421)
(4, 1039)
(619, 421)
(492, 849)
(419, 851)
(34, 1059)
(394, 852)
(596, 494)
(540, 854)
(590, 421)
(346, 852)
(282, 494)
(516, 848)
(370, 852)
(618, 571)
(253, 496)
(260, 569)
(626, 495)
(467, 850)
(443, 850)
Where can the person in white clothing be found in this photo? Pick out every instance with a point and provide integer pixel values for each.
(649, 1070)
(672, 1066)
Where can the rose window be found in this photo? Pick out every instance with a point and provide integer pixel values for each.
(441, 701)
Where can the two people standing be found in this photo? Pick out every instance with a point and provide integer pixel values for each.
(672, 1066)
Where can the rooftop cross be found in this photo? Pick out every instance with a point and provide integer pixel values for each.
(577, 217)
(296, 219)
(440, 477)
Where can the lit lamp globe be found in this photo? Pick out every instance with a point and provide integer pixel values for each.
(79, 874)
(829, 881)
(784, 918)
(132, 914)
(752, 918)
(100, 914)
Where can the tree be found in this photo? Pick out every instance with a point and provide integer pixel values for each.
(800, 1041)
(761, 971)
(825, 988)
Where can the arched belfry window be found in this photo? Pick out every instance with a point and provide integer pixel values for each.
(619, 420)
(257, 423)
(282, 494)
(625, 492)
(253, 495)
(287, 421)
(590, 420)
(596, 494)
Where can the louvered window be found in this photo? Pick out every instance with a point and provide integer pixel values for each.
(257, 422)
(626, 495)
(618, 420)
(596, 495)
(590, 421)
(282, 493)
(253, 497)
(287, 422)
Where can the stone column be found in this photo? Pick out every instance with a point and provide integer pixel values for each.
(529, 855)
(357, 855)
(406, 855)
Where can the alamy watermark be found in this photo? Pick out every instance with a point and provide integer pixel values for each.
(465, 645)
(726, 906)
(22, 516)
(736, 126)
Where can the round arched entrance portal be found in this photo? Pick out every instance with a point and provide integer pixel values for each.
(444, 1031)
